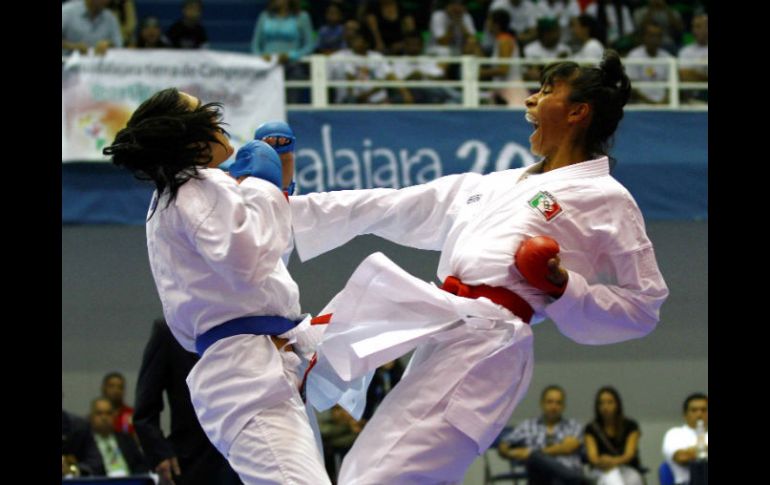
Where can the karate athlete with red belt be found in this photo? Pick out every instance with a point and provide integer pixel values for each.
(590, 268)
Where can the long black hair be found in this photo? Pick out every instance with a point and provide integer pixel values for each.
(166, 141)
(606, 88)
(619, 417)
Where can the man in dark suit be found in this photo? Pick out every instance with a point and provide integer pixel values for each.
(120, 452)
(185, 456)
(79, 455)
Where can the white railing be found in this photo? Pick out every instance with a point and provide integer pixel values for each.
(471, 89)
(470, 92)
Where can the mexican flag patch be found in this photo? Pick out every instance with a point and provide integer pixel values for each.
(546, 204)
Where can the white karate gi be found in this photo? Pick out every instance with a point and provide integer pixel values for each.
(215, 255)
(467, 374)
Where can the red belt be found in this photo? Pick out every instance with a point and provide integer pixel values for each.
(501, 296)
(318, 320)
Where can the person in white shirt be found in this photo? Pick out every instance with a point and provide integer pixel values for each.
(562, 11)
(215, 244)
(697, 51)
(547, 46)
(585, 32)
(472, 341)
(336, 64)
(680, 448)
(451, 26)
(650, 50)
(417, 70)
(369, 65)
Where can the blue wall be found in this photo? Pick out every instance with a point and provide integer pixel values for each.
(662, 159)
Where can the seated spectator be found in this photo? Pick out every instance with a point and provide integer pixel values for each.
(79, 454)
(505, 47)
(668, 19)
(451, 27)
(335, 64)
(187, 32)
(369, 65)
(680, 448)
(650, 49)
(562, 12)
(387, 25)
(413, 70)
(338, 433)
(89, 24)
(120, 453)
(523, 18)
(611, 442)
(615, 24)
(150, 36)
(698, 51)
(547, 46)
(114, 389)
(549, 445)
(331, 35)
(125, 12)
(585, 31)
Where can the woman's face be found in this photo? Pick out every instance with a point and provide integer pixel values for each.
(219, 151)
(578, 31)
(608, 406)
(548, 111)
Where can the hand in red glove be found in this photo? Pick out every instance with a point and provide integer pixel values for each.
(537, 259)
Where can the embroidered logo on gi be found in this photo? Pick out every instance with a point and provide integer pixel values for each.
(473, 198)
(546, 204)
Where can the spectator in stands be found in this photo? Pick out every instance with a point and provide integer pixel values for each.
(385, 377)
(185, 456)
(331, 35)
(338, 433)
(451, 26)
(585, 31)
(562, 12)
(188, 32)
(79, 454)
(523, 15)
(369, 66)
(285, 31)
(416, 70)
(89, 24)
(650, 49)
(611, 441)
(505, 47)
(120, 453)
(114, 389)
(615, 24)
(387, 24)
(680, 444)
(548, 445)
(478, 10)
(697, 51)
(336, 66)
(125, 12)
(668, 19)
(150, 36)
(547, 46)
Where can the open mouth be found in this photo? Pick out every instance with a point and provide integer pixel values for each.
(532, 120)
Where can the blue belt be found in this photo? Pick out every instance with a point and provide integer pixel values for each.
(257, 325)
